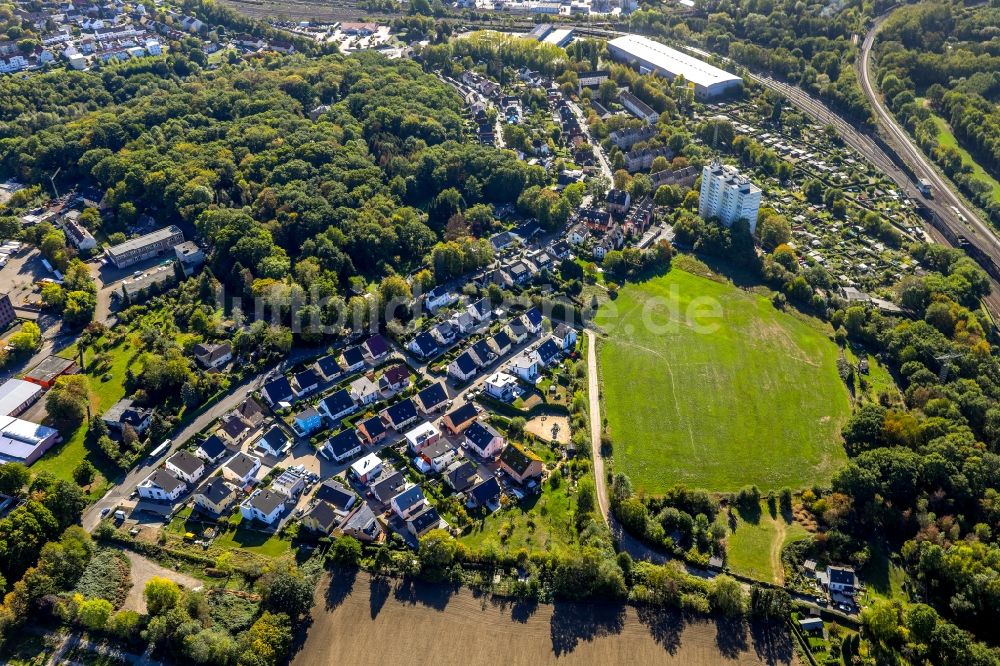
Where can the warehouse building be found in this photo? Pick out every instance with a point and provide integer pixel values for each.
(138, 249)
(707, 80)
(45, 373)
(559, 37)
(24, 441)
(16, 395)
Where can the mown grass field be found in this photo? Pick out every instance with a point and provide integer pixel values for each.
(754, 544)
(753, 397)
(106, 388)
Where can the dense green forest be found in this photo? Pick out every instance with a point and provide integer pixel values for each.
(943, 59)
(364, 190)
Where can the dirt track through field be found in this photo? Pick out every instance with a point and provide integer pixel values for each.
(358, 619)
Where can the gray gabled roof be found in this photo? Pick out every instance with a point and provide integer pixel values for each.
(267, 501)
(217, 490)
(186, 462)
(241, 464)
(385, 489)
(324, 515)
(166, 480)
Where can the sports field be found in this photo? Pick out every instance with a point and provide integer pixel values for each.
(748, 396)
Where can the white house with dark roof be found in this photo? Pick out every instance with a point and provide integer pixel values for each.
(277, 391)
(423, 345)
(338, 405)
(565, 336)
(162, 486)
(533, 320)
(353, 359)
(444, 333)
(342, 446)
(480, 310)
(432, 398)
(186, 466)
(464, 367)
(264, 505)
(400, 415)
(275, 442)
(438, 298)
(376, 348)
(305, 382)
(328, 368)
(241, 469)
(436, 457)
(500, 342)
(212, 449)
(408, 502)
(485, 494)
(548, 352)
(211, 355)
(422, 522)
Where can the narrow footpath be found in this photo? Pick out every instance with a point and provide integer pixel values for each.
(626, 542)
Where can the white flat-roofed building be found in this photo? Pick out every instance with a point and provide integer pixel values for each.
(16, 395)
(24, 441)
(559, 37)
(728, 195)
(152, 244)
(651, 56)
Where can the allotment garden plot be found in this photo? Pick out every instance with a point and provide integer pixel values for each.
(750, 396)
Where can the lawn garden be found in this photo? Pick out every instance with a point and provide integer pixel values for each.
(538, 523)
(754, 544)
(751, 395)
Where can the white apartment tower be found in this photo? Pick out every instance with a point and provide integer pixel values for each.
(727, 195)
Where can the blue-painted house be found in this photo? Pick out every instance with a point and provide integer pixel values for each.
(308, 421)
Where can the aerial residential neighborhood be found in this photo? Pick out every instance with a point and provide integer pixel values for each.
(588, 331)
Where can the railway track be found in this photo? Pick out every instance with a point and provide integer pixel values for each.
(950, 219)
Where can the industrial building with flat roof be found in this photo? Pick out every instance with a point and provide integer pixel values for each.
(16, 395)
(51, 367)
(152, 244)
(559, 37)
(24, 441)
(707, 80)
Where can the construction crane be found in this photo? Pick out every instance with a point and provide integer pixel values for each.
(52, 178)
(945, 366)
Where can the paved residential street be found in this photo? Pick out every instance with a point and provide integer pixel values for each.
(122, 490)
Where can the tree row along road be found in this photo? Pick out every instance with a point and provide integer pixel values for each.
(900, 140)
